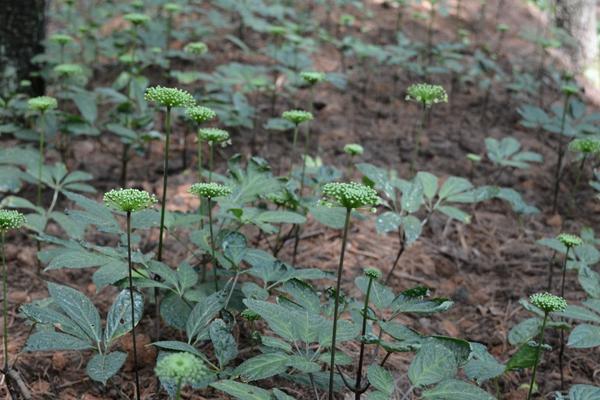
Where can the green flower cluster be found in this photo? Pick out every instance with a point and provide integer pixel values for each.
(200, 114)
(210, 190)
(283, 198)
(11, 219)
(277, 30)
(213, 135)
(426, 94)
(569, 240)
(586, 146)
(350, 195)
(196, 48)
(172, 7)
(570, 90)
(129, 200)
(353, 149)
(68, 69)
(61, 39)
(136, 18)
(373, 273)
(42, 103)
(169, 97)
(312, 78)
(249, 315)
(548, 302)
(183, 368)
(297, 116)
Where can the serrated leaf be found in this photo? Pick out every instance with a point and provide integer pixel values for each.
(102, 367)
(524, 358)
(52, 341)
(262, 366)
(223, 342)
(241, 391)
(118, 321)
(381, 379)
(203, 313)
(432, 364)
(584, 336)
(453, 389)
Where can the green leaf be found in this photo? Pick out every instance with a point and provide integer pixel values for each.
(387, 222)
(429, 183)
(579, 313)
(52, 341)
(381, 379)
(118, 321)
(524, 357)
(454, 185)
(333, 217)
(178, 346)
(262, 366)
(223, 342)
(453, 389)
(234, 247)
(482, 366)
(524, 331)
(79, 308)
(412, 198)
(584, 336)
(412, 229)
(381, 296)
(281, 217)
(432, 364)
(86, 103)
(455, 213)
(241, 391)
(379, 177)
(77, 259)
(276, 316)
(584, 392)
(47, 316)
(203, 313)
(280, 395)
(109, 274)
(103, 366)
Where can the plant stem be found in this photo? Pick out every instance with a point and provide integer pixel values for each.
(211, 161)
(199, 159)
(135, 366)
(398, 255)
(294, 142)
(560, 151)
(4, 302)
(212, 245)
(40, 160)
(178, 391)
(417, 144)
(579, 173)
(337, 302)
(358, 392)
(561, 352)
(537, 356)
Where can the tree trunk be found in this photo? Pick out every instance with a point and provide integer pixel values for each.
(22, 31)
(578, 19)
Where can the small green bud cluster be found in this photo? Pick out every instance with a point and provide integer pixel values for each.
(183, 368)
(136, 18)
(277, 30)
(474, 157)
(172, 8)
(200, 114)
(249, 315)
(350, 195)
(586, 146)
(353, 149)
(502, 28)
(569, 240)
(169, 97)
(297, 116)
(129, 200)
(196, 48)
(213, 135)
(42, 103)
(68, 69)
(11, 219)
(61, 39)
(284, 199)
(569, 90)
(373, 273)
(548, 302)
(426, 94)
(312, 78)
(210, 190)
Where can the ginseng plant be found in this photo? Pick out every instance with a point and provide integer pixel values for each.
(168, 98)
(587, 148)
(9, 220)
(130, 201)
(296, 117)
(548, 303)
(353, 150)
(199, 115)
(426, 95)
(41, 105)
(350, 196)
(209, 191)
(212, 136)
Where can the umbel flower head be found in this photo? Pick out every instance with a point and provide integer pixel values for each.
(129, 200)
(297, 116)
(183, 368)
(61, 39)
(11, 219)
(200, 114)
(353, 149)
(249, 315)
(196, 48)
(213, 135)
(68, 69)
(42, 103)
(585, 146)
(312, 78)
(569, 240)
(209, 190)
(350, 195)
(169, 97)
(426, 94)
(569, 90)
(548, 302)
(277, 30)
(172, 7)
(372, 273)
(136, 18)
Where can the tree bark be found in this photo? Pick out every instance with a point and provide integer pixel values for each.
(22, 31)
(578, 19)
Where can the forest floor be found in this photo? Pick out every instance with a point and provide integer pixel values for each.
(485, 266)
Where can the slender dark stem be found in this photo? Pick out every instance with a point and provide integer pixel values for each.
(398, 255)
(306, 143)
(560, 152)
(537, 356)
(199, 159)
(579, 174)
(135, 365)
(4, 302)
(178, 391)
(40, 161)
(211, 161)
(337, 303)
(124, 162)
(294, 143)
(551, 272)
(417, 144)
(561, 352)
(212, 245)
(362, 342)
